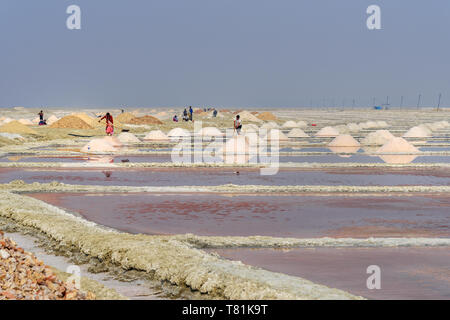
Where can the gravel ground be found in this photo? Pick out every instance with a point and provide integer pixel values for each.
(24, 277)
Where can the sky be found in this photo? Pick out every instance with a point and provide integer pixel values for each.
(223, 53)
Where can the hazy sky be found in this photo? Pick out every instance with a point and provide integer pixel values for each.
(262, 53)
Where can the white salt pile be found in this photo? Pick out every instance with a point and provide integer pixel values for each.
(378, 138)
(209, 132)
(127, 137)
(156, 135)
(353, 127)
(269, 125)
(7, 120)
(25, 122)
(247, 116)
(344, 140)
(344, 143)
(249, 127)
(178, 132)
(275, 134)
(342, 128)
(363, 125)
(382, 124)
(290, 124)
(236, 150)
(416, 132)
(52, 119)
(401, 147)
(302, 124)
(106, 144)
(327, 132)
(297, 133)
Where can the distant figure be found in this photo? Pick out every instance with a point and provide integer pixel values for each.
(41, 118)
(175, 118)
(190, 113)
(123, 111)
(238, 124)
(109, 124)
(185, 115)
(215, 113)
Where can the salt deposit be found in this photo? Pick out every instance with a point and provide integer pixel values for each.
(106, 144)
(400, 146)
(127, 137)
(11, 136)
(327, 132)
(26, 122)
(353, 127)
(297, 133)
(236, 150)
(145, 120)
(267, 116)
(379, 137)
(7, 120)
(290, 124)
(178, 132)
(342, 128)
(36, 120)
(52, 119)
(416, 132)
(344, 140)
(302, 124)
(156, 135)
(71, 122)
(269, 125)
(249, 127)
(16, 127)
(210, 132)
(125, 117)
(275, 134)
(382, 124)
(247, 116)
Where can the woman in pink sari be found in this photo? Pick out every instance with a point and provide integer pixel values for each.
(109, 124)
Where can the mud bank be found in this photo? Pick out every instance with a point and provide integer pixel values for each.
(165, 258)
(22, 187)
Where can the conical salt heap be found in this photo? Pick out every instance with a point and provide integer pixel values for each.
(353, 127)
(267, 116)
(210, 132)
(178, 132)
(342, 128)
(302, 124)
(382, 124)
(127, 137)
(269, 125)
(249, 127)
(71, 122)
(145, 120)
(377, 138)
(297, 133)
(416, 132)
(290, 124)
(344, 143)
(327, 132)
(398, 145)
(106, 144)
(89, 120)
(26, 122)
(275, 134)
(156, 135)
(16, 127)
(247, 116)
(236, 150)
(52, 119)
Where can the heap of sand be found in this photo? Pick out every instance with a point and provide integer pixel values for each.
(416, 132)
(302, 124)
(156, 135)
(26, 122)
(71, 122)
(106, 144)
(89, 120)
(275, 134)
(353, 127)
(377, 138)
(297, 133)
(398, 145)
(145, 120)
(127, 137)
(178, 132)
(125, 117)
(290, 124)
(327, 132)
(247, 116)
(16, 127)
(210, 132)
(267, 116)
(269, 125)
